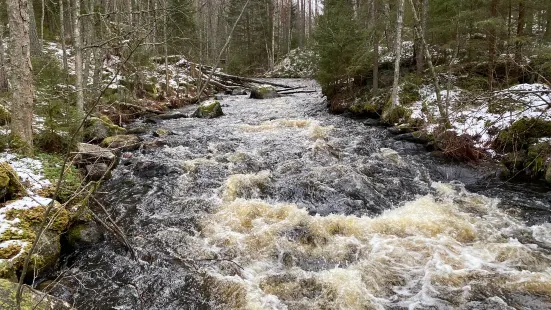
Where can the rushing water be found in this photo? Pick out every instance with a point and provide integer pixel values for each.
(280, 205)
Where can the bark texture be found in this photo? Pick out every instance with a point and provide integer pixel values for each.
(21, 74)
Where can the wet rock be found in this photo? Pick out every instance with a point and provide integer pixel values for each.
(413, 137)
(239, 92)
(209, 109)
(162, 132)
(31, 299)
(138, 130)
(391, 155)
(99, 128)
(162, 117)
(10, 186)
(264, 92)
(96, 172)
(154, 144)
(89, 154)
(149, 169)
(400, 129)
(122, 142)
(84, 235)
(372, 122)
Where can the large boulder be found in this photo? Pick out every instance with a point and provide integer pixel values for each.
(122, 142)
(264, 92)
(89, 154)
(84, 235)
(97, 171)
(31, 299)
(99, 128)
(10, 186)
(209, 109)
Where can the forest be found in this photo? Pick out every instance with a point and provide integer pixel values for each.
(275, 154)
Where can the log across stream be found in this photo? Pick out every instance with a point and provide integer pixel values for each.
(280, 205)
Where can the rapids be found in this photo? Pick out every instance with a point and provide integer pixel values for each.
(280, 205)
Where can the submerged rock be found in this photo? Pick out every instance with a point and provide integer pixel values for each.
(264, 92)
(31, 299)
(209, 109)
(122, 142)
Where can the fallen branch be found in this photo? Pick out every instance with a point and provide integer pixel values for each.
(288, 89)
(299, 92)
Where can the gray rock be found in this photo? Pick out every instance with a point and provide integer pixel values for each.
(122, 142)
(95, 172)
(209, 109)
(239, 92)
(99, 128)
(89, 154)
(84, 235)
(31, 298)
(264, 92)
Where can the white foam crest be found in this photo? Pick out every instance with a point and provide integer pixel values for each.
(434, 251)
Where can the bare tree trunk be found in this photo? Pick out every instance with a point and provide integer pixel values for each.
(492, 44)
(77, 44)
(419, 50)
(547, 35)
(21, 75)
(36, 48)
(398, 52)
(443, 109)
(62, 34)
(520, 30)
(3, 71)
(375, 25)
(165, 38)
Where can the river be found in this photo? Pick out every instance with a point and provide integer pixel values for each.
(281, 205)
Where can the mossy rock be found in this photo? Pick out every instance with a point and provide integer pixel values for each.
(548, 173)
(264, 92)
(99, 128)
(209, 109)
(395, 115)
(122, 142)
(31, 217)
(368, 108)
(10, 186)
(538, 158)
(31, 299)
(83, 235)
(5, 116)
(521, 134)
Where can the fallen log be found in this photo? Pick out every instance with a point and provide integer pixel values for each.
(288, 89)
(299, 92)
(250, 80)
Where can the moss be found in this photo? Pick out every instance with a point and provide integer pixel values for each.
(10, 251)
(394, 115)
(522, 133)
(34, 216)
(369, 108)
(537, 157)
(72, 179)
(10, 186)
(29, 301)
(5, 116)
(209, 109)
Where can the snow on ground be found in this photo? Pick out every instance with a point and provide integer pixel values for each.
(475, 120)
(31, 175)
(298, 63)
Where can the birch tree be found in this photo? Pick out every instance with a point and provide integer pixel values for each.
(398, 53)
(21, 74)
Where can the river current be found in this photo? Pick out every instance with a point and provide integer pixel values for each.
(281, 205)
